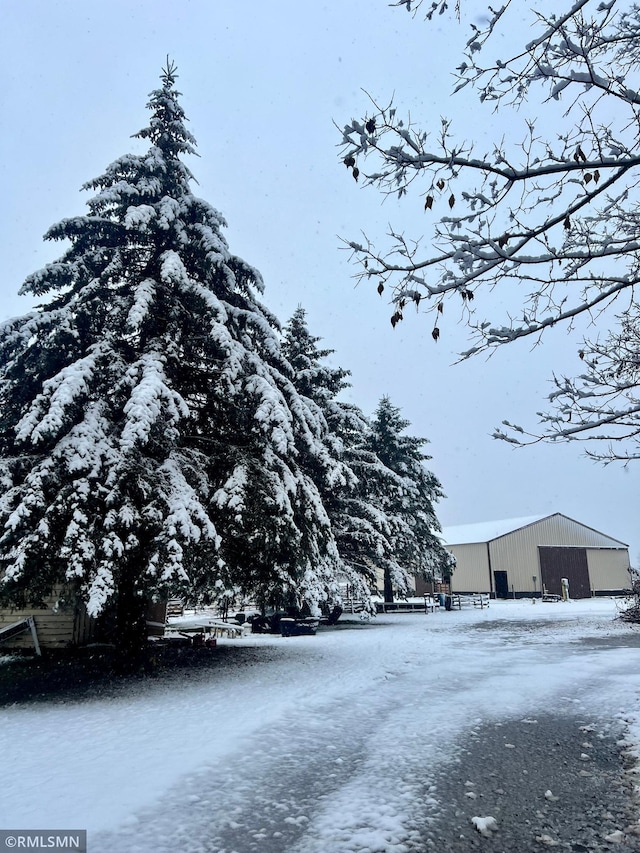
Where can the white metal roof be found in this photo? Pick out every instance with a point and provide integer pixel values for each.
(486, 531)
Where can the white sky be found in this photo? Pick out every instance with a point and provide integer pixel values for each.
(263, 84)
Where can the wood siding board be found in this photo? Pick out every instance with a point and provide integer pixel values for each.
(52, 630)
(81, 627)
(422, 586)
(56, 629)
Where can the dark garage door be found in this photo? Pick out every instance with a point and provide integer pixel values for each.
(570, 563)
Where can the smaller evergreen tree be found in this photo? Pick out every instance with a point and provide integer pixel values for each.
(339, 477)
(379, 496)
(408, 503)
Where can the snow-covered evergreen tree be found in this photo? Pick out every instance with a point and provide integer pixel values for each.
(150, 431)
(380, 496)
(314, 378)
(358, 526)
(364, 529)
(409, 502)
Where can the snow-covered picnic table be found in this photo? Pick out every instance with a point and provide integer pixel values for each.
(470, 599)
(202, 623)
(424, 603)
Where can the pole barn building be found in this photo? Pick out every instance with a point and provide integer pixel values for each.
(528, 556)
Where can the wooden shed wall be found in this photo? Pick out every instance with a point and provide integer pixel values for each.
(68, 625)
(56, 630)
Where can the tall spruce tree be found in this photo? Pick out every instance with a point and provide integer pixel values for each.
(409, 502)
(149, 429)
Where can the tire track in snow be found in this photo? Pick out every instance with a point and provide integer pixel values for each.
(266, 796)
(358, 773)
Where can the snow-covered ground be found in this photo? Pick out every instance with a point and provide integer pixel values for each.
(309, 744)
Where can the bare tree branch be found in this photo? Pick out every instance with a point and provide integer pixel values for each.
(557, 214)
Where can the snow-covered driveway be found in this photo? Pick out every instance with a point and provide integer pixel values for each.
(328, 743)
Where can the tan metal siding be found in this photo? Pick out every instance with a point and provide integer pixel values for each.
(608, 569)
(472, 568)
(517, 555)
(517, 552)
(521, 565)
(568, 532)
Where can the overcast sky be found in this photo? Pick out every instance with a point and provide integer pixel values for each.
(263, 84)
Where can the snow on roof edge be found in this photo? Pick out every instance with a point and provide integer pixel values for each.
(487, 531)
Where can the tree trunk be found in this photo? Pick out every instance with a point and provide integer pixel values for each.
(131, 626)
(388, 587)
